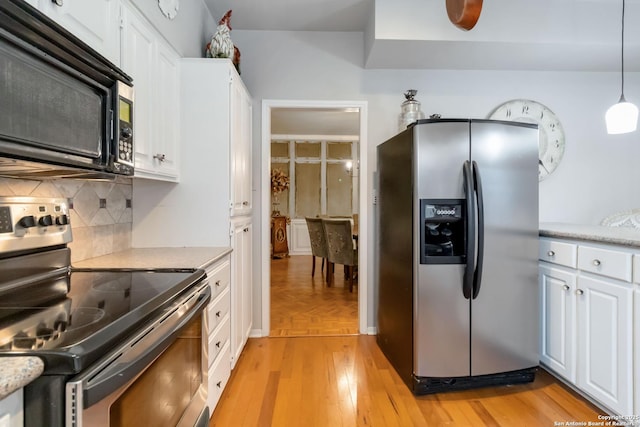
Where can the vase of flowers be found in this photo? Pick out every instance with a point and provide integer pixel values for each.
(279, 183)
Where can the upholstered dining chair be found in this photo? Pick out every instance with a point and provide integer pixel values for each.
(340, 247)
(318, 244)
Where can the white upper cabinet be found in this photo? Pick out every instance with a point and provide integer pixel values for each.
(95, 22)
(154, 67)
(240, 106)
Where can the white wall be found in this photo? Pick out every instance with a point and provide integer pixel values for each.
(597, 176)
(188, 32)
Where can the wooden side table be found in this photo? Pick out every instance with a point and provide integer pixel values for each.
(279, 244)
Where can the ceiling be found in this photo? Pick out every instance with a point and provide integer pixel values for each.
(545, 35)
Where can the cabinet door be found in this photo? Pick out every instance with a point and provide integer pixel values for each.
(138, 58)
(240, 147)
(247, 294)
(557, 347)
(166, 115)
(240, 287)
(96, 22)
(636, 329)
(604, 316)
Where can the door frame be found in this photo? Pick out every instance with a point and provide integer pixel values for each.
(265, 203)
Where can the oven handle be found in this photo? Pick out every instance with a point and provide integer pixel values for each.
(130, 360)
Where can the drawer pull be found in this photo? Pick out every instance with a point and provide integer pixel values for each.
(218, 344)
(551, 254)
(219, 384)
(218, 313)
(596, 262)
(579, 292)
(217, 282)
(565, 288)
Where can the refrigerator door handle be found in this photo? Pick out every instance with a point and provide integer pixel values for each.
(477, 275)
(467, 282)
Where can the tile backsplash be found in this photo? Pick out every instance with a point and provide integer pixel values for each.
(101, 214)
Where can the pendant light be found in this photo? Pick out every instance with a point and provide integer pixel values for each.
(623, 116)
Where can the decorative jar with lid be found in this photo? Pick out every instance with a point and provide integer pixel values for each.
(410, 110)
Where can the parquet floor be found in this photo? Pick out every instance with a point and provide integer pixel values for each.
(303, 306)
(347, 381)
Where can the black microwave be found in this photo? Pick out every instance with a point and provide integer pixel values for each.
(65, 110)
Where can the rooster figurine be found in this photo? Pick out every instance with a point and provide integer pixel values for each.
(221, 45)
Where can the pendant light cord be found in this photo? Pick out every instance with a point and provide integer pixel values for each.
(622, 57)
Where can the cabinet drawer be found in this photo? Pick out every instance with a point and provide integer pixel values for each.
(219, 278)
(218, 376)
(558, 252)
(218, 341)
(217, 311)
(605, 262)
(636, 269)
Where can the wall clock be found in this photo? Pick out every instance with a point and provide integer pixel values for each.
(552, 140)
(169, 8)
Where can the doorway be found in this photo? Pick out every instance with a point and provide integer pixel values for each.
(273, 111)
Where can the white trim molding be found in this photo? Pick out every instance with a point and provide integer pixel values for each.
(365, 286)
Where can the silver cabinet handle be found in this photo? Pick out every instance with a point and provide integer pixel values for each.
(596, 262)
(217, 282)
(551, 253)
(579, 292)
(246, 229)
(160, 157)
(58, 2)
(219, 384)
(218, 344)
(245, 203)
(565, 288)
(218, 313)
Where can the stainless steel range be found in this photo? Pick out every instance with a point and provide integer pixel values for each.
(120, 346)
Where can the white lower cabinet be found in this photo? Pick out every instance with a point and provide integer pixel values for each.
(241, 299)
(217, 331)
(587, 320)
(604, 330)
(11, 410)
(636, 340)
(557, 347)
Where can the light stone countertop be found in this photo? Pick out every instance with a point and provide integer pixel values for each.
(623, 236)
(17, 372)
(186, 257)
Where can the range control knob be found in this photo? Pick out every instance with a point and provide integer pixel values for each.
(44, 333)
(21, 340)
(46, 220)
(27, 221)
(60, 325)
(62, 220)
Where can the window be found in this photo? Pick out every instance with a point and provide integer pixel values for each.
(321, 177)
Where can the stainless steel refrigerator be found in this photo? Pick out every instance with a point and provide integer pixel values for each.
(457, 249)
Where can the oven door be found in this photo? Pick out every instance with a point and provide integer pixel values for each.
(156, 378)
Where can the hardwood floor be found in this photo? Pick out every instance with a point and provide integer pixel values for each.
(345, 380)
(303, 306)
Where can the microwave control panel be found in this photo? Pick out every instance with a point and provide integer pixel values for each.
(125, 148)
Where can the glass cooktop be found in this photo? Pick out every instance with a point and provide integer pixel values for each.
(99, 307)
